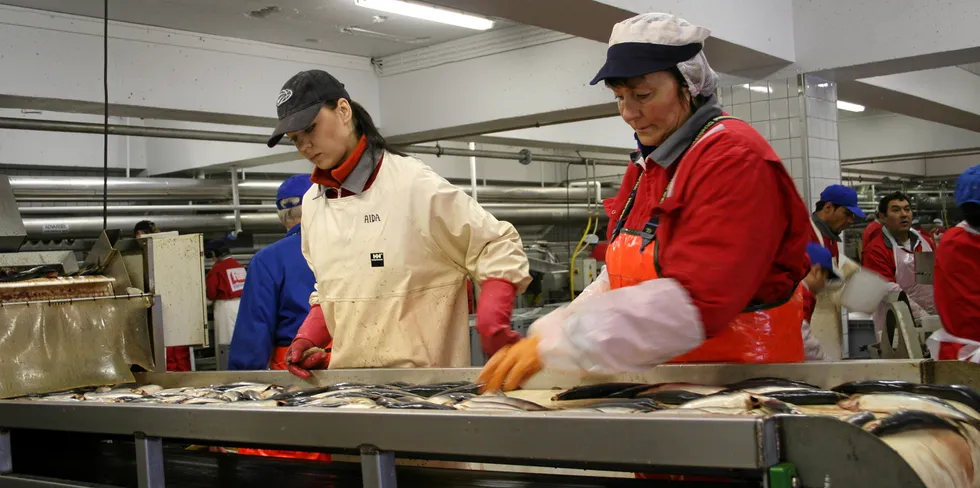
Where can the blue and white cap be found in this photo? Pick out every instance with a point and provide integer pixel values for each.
(649, 43)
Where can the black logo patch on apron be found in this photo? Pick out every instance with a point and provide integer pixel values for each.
(377, 259)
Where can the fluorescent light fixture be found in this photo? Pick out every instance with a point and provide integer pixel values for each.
(823, 85)
(760, 89)
(425, 12)
(850, 107)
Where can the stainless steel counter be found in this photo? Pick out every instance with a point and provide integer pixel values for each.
(822, 449)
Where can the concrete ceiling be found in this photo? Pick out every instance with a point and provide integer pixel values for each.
(312, 24)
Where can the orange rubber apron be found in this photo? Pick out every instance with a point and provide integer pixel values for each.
(278, 362)
(767, 333)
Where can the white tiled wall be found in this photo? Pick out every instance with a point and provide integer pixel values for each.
(773, 108)
(823, 150)
(801, 125)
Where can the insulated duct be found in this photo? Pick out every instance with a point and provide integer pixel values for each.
(41, 228)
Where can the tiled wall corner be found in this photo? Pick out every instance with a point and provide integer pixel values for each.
(800, 123)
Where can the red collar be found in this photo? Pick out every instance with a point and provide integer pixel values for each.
(336, 176)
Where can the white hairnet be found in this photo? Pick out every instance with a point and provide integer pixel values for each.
(701, 79)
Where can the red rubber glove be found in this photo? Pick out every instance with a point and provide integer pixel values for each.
(493, 311)
(312, 334)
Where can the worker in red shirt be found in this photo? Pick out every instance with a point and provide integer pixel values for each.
(683, 280)
(871, 231)
(892, 255)
(937, 231)
(955, 278)
(225, 282)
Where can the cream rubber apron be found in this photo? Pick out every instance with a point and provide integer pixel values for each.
(825, 324)
(905, 279)
(390, 297)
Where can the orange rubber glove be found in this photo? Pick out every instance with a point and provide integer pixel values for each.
(512, 366)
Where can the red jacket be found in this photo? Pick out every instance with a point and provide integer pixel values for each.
(733, 232)
(226, 280)
(878, 257)
(870, 232)
(956, 285)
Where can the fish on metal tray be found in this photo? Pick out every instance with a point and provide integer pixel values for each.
(909, 420)
(685, 387)
(764, 385)
(601, 390)
(773, 406)
(147, 389)
(299, 393)
(805, 396)
(893, 402)
(623, 405)
(860, 418)
(670, 397)
(439, 388)
(499, 403)
(470, 388)
(204, 401)
(330, 402)
(873, 386)
(111, 397)
(411, 405)
(958, 395)
(62, 397)
(450, 398)
(736, 400)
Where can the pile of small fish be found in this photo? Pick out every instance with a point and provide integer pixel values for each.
(936, 428)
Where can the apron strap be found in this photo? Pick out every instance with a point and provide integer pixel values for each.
(621, 222)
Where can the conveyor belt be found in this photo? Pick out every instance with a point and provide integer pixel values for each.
(89, 458)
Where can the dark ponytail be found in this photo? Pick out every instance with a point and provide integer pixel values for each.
(364, 126)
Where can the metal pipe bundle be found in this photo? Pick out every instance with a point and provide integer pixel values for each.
(48, 228)
(36, 188)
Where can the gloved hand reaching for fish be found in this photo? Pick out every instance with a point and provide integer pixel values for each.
(310, 348)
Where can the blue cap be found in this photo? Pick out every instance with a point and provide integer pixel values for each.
(968, 186)
(843, 196)
(821, 255)
(294, 187)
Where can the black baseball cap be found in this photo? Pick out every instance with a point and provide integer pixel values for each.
(301, 98)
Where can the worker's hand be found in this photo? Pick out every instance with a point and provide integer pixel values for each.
(493, 312)
(512, 366)
(816, 279)
(303, 356)
(311, 347)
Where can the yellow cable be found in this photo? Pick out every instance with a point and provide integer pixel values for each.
(578, 249)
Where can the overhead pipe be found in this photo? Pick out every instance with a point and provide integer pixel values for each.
(154, 209)
(40, 188)
(48, 228)
(201, 135)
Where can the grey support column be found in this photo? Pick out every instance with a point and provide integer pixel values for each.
(149, 462)
(6, 459)
(378, 468)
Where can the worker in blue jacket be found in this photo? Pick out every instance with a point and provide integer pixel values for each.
(277, 290)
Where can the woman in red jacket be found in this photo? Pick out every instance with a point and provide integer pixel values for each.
(709, 244)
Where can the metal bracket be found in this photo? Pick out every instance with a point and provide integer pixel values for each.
(149, 461)
(6, 457)
(524, 156)
(378, 468)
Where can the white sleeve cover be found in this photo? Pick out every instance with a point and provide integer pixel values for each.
(628, 329)
(811, 345)
(600, 285)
